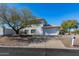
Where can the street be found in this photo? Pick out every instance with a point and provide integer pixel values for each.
(6, 51)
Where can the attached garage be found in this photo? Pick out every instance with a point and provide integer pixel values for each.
(50, 30)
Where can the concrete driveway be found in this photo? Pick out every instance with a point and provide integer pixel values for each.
(52, 43)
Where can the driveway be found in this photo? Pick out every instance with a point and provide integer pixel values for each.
(52, 43)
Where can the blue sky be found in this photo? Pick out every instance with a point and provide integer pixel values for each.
(54, 13)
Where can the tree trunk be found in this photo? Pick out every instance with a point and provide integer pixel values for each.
(75, 31)
(69, 31)
(16, 31)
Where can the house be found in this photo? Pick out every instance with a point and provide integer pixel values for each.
(50, 30)
(41, 29)
(6, 31)
(1, 31)
(35, 29)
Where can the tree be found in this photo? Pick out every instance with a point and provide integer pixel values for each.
(69, 24)
(16, 18)
(63, 27)
(72, 24)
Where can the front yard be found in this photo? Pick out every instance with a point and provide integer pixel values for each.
(50, 42)
(20, 41)
(13, 41)
(41, 42)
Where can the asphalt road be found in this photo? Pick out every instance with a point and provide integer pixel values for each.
(5, 51)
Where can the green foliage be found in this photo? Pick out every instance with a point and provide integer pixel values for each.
(76, 31)
(66, 26)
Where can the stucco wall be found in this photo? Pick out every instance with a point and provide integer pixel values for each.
(9, 32)
(1, 31)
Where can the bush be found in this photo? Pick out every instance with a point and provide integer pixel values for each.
(76, 31)
(61, 32)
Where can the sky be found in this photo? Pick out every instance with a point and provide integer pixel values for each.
(53, 13)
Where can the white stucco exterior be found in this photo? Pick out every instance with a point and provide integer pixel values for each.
(1, 31)
(39, 30)
(32, 31)
(6, 31)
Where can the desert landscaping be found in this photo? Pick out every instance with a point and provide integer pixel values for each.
(61, 41)
(47, 42)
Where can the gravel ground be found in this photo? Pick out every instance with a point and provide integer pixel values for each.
(53, 42)
(12, 42)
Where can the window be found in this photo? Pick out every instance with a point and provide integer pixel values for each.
(26, 31)
(33, 31)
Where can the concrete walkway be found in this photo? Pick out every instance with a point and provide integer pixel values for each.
(53, 43)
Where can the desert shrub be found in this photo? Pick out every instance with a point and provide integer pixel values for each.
(76, 31)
